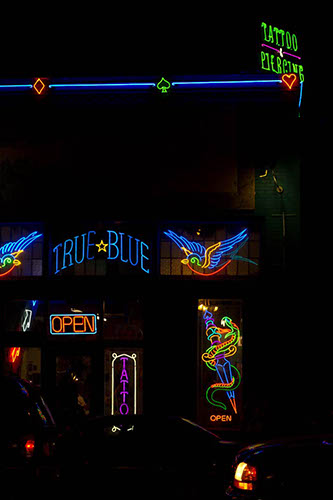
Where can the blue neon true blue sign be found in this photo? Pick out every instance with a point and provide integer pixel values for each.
(112, 246)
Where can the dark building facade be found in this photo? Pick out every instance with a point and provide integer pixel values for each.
(149, 247)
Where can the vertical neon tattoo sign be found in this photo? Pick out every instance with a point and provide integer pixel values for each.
(124, 389)
(223, 344)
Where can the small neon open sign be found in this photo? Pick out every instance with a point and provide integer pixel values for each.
(73, 324)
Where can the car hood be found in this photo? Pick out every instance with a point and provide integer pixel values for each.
(285, 442)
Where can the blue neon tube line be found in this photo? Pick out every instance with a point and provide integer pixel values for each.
(228, 82)
(14, 86)
(300, 94)
(101, 85)
(137, 85)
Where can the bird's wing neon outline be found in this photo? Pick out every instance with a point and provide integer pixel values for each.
(225, 248)
(209, 254)
(229, 244)
(19, 245)
(184, 244)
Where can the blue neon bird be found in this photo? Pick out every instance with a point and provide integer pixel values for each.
(211, 260)
(10, 251)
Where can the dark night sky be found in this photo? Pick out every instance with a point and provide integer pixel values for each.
(164, 38)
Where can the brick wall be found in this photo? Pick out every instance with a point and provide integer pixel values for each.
(270, 204)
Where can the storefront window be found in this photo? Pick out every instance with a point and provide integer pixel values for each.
(73, 387)
(209, 250)
(71, 319)
(123, 381)
(25, 362)
(25, 316)
(123, 320)
(21, 251)
(220, 341)
(103, 249)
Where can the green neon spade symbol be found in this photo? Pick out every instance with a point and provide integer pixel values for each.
(163, 85)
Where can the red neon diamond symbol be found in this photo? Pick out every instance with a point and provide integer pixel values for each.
(39, 86)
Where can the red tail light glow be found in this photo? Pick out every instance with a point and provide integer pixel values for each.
(29, 447)
(245, 476)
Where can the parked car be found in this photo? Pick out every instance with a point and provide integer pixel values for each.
(28, 434)
(293, 467)
(129, 454)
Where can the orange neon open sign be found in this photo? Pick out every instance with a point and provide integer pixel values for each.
(73, 324)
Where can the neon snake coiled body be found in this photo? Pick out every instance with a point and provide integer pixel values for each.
(223, 345)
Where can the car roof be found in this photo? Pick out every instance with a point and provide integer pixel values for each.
(153, 422)
(307, 440)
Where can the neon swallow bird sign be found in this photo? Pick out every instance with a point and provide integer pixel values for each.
(11, 251)
(211, 260)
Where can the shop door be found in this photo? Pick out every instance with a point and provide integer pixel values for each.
(75, 380)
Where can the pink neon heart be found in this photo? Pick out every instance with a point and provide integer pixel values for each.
(289, 80)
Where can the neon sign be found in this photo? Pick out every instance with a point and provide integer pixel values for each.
(163, 85)
(28, 315)
(211, 260)
(26, 321)
(223, 344)
(14, 354)
(279, 51)
(39, 86)
(115, 245)
(11, 251)
(124, 384)
(220, 418)
(289, 80)
(73, 324)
